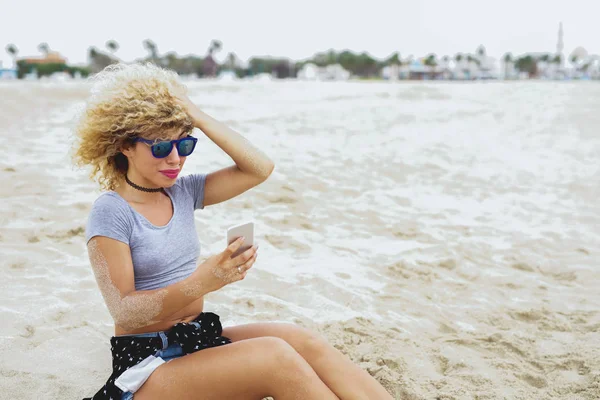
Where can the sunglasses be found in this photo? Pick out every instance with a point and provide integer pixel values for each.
(185, 146)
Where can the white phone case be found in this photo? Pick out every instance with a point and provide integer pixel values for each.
(245, 229)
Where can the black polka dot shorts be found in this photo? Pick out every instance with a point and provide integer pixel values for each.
(135, 357)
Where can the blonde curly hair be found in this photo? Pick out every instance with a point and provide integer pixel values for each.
(126, 100)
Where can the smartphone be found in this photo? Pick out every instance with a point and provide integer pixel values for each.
(245, 229)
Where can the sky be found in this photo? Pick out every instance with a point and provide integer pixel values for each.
(298, 29)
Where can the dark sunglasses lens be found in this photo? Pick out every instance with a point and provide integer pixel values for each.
(186, 146)
(162, 149)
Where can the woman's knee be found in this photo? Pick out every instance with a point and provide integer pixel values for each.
(282, 362)
(279, 352)
(308, 343)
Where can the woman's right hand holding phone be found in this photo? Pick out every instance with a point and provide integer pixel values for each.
(220, 270)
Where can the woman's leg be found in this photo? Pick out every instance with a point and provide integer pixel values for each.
(250, 369)
(346, 379)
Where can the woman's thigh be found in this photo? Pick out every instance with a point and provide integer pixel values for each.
(245, 369)
(305, 341)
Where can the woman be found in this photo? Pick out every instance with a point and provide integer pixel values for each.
(136, 134)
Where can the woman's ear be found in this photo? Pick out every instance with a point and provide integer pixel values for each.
(127, 149)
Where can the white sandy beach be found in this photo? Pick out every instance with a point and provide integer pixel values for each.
(444, 235)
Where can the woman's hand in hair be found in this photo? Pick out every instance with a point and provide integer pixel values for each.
(182, 99)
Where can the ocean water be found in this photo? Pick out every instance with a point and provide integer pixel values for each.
(439, 209)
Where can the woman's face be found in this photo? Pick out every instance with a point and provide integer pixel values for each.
(145, 169)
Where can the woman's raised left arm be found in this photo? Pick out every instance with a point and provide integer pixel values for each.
(246, 156)
(251, 168)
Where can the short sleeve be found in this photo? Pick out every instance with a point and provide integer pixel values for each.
(109, 217)
(194, 185)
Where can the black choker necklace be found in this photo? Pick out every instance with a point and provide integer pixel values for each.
(143, 189)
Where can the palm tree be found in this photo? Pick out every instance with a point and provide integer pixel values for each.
(215, 46)
(394, 59)
(472, 64)
(93, 53)
(557, 59)
(231, 61)
(331, 57)
(209, 65)
(431, 60)
(172, 60)
(508, 59)
(150, 46)
(393, 63)
(574, 60)
(527, 64)
(98, 60)
(472, 59)
(585, 67)
(112, 46)
(44, 48)
(481, 51)
(13, 51)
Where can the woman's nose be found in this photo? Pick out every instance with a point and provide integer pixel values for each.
(173, 156)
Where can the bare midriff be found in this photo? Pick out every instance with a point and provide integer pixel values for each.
(186, 314)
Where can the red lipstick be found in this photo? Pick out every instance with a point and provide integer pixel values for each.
(170, 173)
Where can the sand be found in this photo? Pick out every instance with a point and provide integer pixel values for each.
(443, 236)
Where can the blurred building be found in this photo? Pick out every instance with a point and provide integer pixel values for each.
(308, 72)
(58, 77)
(594, 67)
(508, 69)
(7, 73)
(209, 66)
(486, 67)
(579, 53)
(391, 72)
(262, 77)
(560, 45)
(53, 57)
(418, 70)
(227, 76)
(444, 68)
(334, 72)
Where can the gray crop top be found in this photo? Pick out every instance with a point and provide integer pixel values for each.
(161, 255)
